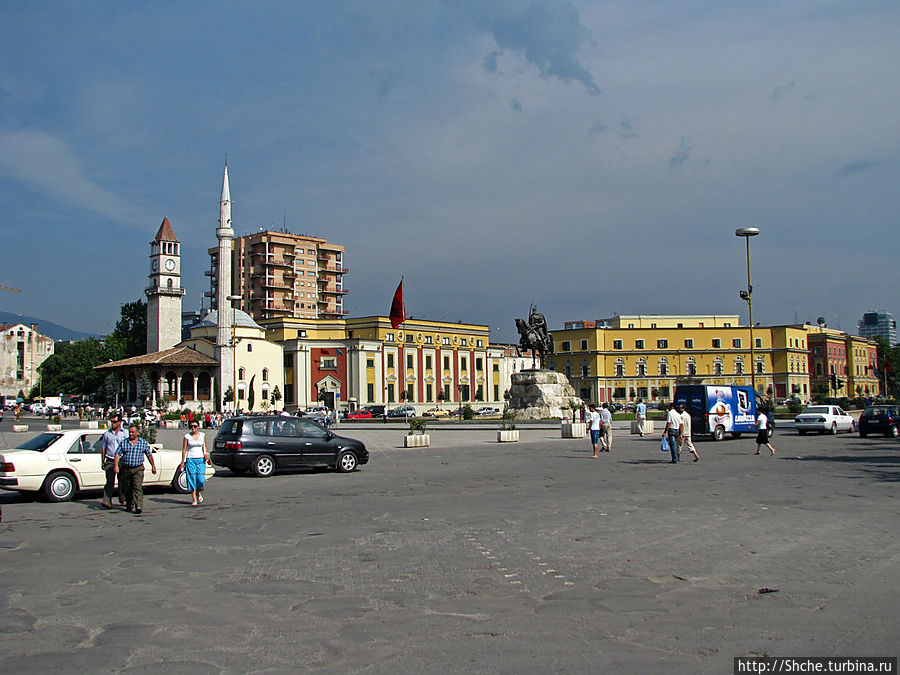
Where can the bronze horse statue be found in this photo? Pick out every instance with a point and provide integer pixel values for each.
(534, 336)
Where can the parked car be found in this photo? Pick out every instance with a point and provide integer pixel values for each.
(487, 410)
(880, 419)
(359, 415)
(264, 444)
(822, 418)
(61, 463)
(405, 410)
(436, 412)
(376, 410)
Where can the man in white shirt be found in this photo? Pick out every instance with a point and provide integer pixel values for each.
(686, 442)
(606, 428)
(594, 425)
(672, 431)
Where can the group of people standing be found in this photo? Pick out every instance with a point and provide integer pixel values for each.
(123, 459)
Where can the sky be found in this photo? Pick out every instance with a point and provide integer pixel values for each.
(593, 158)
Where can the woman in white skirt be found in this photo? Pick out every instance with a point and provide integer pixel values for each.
(194, 458)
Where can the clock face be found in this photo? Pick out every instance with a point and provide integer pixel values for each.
(170, 264)
(154, 265)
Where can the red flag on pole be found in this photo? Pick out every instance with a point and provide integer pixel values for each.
(398, 309)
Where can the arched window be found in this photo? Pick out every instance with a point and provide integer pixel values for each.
(739, 366)
(204, 387)
(249, 347)
(620, 368)
(642, 368)
(265, 375)
(171, 379)
(663, 367)
(241, 373)
(717, 366)
(691, 366)
(187, 387)
(760, 367)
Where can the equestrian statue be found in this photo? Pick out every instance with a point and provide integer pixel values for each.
(534, 336)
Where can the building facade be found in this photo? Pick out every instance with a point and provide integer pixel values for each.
(354, 362)
(283, 275)
(842, 365)
(878, 324)
(624, 358)
(22, 352)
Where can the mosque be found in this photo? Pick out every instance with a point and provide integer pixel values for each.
(230, 361)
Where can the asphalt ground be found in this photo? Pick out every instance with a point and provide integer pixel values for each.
(469, 556)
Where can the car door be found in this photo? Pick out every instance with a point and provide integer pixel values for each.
(844, 419)
(317, 448)
(284, 442)
(85, 457)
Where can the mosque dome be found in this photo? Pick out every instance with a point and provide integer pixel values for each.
(241, 320)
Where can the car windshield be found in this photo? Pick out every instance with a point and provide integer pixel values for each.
(39, 443)
(821, 409)
(875, 412)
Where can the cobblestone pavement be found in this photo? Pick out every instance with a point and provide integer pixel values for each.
(470, 556)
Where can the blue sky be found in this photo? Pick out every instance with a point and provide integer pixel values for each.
(592, 157)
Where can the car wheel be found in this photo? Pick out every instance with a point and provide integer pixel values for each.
(719, 433)
(60, 486)
(852, 427)
(347, 462)
(894, 432)
(179, 482)
(263, 466)
(833, 430)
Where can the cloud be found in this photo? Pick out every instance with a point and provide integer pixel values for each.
(490, 62)
(857, 167)
(47, 164)
(779, 92)
(547, 34)
(627, 127)
(682, 155)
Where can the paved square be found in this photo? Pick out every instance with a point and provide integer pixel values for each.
(470, 556)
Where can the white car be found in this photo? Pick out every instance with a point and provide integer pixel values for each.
(60, 463)
(822, 418)
(487, 410)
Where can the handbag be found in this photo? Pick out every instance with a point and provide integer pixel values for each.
(664, 445)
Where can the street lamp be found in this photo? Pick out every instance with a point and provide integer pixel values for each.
(232, 299)
(746, 233)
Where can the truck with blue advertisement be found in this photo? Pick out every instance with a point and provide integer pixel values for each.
(718, 409)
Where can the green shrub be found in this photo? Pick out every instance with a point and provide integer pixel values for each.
(507, 421)
(468, 413)
(794, 406)
(417, 425)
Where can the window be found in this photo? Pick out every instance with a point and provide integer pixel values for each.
(738, 367)
(409, 361)
(717, 343)
(691, 368)
(446, 363)
(759, 367)
(428, 340)
(567, 369)
(446, 341)
(638, 344)
(566, 346)
(249, 347)
(370, 363)
(727, 325)
(479, 343)
(652, 325)
(241, 373)
(410, 338)
(642, 392)
(390, 360)
(265, 375)
(689, 343)
(680, 325)
(620, 370)
(463, 342)
(759, 343)
(585, 370)
(617, 344)
(329, 363)
(390, 393)
(663, 368)
(388, 337)
(479, 364)
(736, 342)
(662, 344)
(584, 345)
(464, 363)
(428, 365)
(642, 369)
(619, 392)
(370, 392)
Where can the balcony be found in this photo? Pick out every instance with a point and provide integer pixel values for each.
(334, 291)
(334, 269)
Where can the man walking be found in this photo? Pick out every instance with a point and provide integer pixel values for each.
(672, 431)
(762, 434)
(640, 415)
(129, 464)
(594, 425)
(686, 442)
(110, 440)
(606, 428)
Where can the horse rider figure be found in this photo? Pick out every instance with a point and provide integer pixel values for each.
(534, 336)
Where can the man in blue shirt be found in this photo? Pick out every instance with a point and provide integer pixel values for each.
(640, 415)
(111, 439)
(129, 464)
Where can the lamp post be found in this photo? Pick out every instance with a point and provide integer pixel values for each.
(746, 233)
(232, 299)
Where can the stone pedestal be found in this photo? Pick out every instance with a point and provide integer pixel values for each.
(539, 394)
(636, 428)
(573, 429)
(507, 435)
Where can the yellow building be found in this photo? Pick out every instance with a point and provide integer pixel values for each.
(627, 357)
(354, 362)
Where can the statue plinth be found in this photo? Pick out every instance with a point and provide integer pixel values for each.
(539, 393)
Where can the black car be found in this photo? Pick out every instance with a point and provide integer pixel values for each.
(880, 419)
(266, 443)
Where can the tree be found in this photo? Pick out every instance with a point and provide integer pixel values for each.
(251, 394)
(109, 388)
(228, 397)
(888, 366)
(130, 335)
(70, 369)
(276, 395)
(144, 388)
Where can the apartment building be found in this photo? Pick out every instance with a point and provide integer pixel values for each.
(284, 275)
(23, 351)
(623, 358)
(878, 324)
(350, 363)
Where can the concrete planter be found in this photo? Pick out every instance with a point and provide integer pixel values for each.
(507, 435)
(20, 427)
(89, 425)
(54, 427)
(417, 441)
(172, 424)
(648, 427)
(573, 429)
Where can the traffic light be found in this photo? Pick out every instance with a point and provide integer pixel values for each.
(833, 381)
(840, 383)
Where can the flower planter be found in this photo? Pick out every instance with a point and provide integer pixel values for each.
(417, 441)
(54, 427)
(573, 429)
(172, 424)
(507, 435)
(89, 425)
(648, 427)
(20, 427)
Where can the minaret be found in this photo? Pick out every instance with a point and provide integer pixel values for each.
(225, 235)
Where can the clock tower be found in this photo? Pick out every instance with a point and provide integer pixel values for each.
(164, 292)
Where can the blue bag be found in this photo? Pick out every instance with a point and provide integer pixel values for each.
(664, 446)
